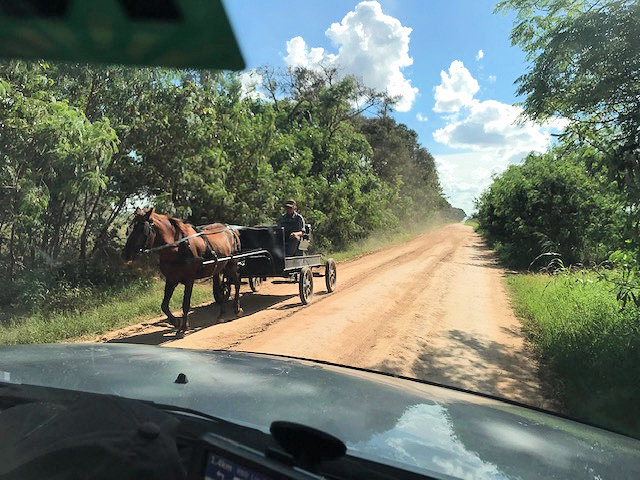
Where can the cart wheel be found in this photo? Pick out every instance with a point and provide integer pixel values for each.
(330, 275)
(222, 290)
(255, 283)
(306, 285)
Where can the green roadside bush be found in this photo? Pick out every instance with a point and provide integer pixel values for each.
(551, 204)
(588, 346)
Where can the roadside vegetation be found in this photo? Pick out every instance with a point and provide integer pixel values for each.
(552, 207)
(588, 346)
(473, 223)
(573, 213)
(114, 308)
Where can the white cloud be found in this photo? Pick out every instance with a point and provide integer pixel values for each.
(250, 82)
(489, 134)
(421, 118)
(465, 175)
(299, 55)
(456, 88)
(491, 124)
(479, 55)
(558, 123)
(492, 79)
(371, 45)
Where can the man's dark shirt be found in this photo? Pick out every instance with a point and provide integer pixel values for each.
(293, 223)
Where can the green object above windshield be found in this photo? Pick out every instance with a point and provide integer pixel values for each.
(170, 33)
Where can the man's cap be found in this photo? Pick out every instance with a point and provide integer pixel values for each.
(290, 203)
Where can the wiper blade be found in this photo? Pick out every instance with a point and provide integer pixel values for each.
(190, 411)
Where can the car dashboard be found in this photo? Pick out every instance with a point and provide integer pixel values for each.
(61, 433)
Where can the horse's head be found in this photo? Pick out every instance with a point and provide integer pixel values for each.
(140, 235)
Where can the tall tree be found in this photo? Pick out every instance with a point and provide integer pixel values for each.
(585, 66)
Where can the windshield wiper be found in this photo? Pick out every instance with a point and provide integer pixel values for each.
(191, 411)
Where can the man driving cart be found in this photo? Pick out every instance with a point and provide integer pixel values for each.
(293, 224)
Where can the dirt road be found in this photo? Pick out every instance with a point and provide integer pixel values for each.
(433, 308)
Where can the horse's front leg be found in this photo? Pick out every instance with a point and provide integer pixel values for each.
(169, 288)
(186, 305)
(235, 275)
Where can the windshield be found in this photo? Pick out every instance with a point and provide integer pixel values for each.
(444, 191)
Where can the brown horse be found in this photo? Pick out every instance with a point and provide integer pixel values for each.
(182, 252)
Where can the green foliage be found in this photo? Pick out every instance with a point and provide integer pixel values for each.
(585, 65)
(625, 276)
(69, 286)
(588, 347)
(399, 160)
(551, 204)
(473, 223)
(585, 58)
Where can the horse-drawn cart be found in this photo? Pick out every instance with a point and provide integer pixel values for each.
(263, 256)
(222, 252)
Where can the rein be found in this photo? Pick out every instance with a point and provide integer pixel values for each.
(184, 239)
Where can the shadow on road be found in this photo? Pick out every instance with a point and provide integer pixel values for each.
(491, 367)
(202, 317)
(480, 365)
(482, 255)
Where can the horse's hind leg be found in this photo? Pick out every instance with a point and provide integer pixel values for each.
(235, 276)
(169, 287)
(186, 305)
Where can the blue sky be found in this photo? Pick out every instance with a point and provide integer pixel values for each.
(473, 132)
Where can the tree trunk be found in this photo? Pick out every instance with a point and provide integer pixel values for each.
(56, 219)
(105, 228)
(85, 231)
(67, 224)
(12, 259)
(1, 236)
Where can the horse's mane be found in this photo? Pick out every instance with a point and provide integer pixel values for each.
(178, 224)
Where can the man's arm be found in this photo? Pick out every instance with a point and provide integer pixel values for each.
(299, 227)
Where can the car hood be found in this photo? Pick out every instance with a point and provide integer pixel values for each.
(420, 427)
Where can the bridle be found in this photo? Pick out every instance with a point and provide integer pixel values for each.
(148, 231)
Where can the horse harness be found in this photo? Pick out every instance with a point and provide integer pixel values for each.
(184, 250)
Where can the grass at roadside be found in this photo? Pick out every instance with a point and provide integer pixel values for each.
(139, 303)
(589, 347)
(473, 224)
(380, 240)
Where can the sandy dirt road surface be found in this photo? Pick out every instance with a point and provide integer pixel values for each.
(433, 308)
